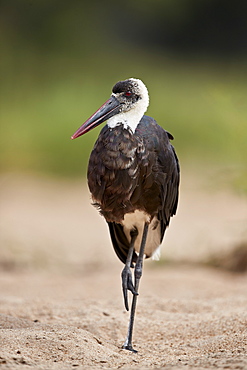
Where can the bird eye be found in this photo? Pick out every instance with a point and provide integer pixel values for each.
(128, 93)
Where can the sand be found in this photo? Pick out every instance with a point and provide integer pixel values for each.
(61, 305)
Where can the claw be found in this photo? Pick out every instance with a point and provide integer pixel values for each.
(127, 284)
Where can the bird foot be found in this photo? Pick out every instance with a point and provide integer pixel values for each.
(127, 284)
(129, 348)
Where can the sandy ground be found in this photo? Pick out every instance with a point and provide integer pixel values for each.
(60, 291)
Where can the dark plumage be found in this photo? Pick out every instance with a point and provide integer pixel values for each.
(129, 171)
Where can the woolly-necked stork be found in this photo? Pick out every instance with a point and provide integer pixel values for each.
(133, 176)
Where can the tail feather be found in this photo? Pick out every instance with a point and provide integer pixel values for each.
(120, 242)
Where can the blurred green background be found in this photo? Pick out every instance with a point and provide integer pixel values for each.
(60, 59)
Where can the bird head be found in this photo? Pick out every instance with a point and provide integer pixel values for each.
(128, 102)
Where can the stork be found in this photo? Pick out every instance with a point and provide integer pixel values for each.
(133, 177)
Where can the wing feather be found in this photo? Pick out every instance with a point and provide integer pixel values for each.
(155, 186)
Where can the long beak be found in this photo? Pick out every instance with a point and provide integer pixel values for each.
(106, 111)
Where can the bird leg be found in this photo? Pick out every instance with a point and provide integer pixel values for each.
(127, 283)
(138, 274)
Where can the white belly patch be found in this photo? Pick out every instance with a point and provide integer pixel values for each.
(137, 219)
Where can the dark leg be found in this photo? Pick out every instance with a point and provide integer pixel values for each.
(127, 283)
(138, 274)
